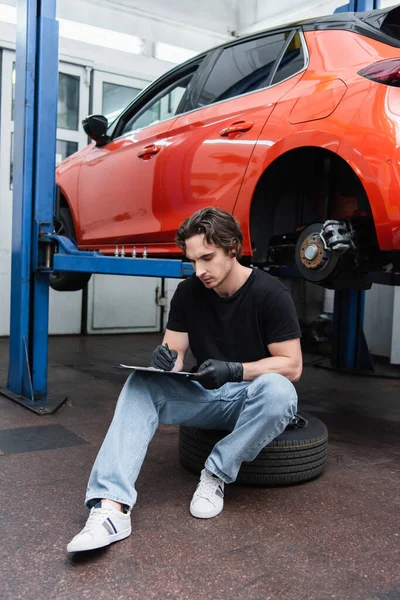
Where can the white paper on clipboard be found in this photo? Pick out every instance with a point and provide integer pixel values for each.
(154, 370)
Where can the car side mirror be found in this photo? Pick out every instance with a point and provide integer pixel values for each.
(95, 126)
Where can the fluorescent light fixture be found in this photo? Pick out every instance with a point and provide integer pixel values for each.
(101, 37)
(174, 54)
(89, 34)
(8, 14)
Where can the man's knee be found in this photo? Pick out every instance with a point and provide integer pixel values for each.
(274, 392)
(136, 388)
(137, 381)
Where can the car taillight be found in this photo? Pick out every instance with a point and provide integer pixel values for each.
(384, 71)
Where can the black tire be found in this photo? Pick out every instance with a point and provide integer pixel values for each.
(66, 281)
(295, 456)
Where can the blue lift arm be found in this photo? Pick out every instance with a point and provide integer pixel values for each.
(70, 258)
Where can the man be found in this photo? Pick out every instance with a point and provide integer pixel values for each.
(242, 328)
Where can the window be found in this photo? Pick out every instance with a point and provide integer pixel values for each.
(65, 149)
(68, 101)
(13, 77)
(12, 161)
(162, 107)
(292, 61)
(242, 68)
(116, 98)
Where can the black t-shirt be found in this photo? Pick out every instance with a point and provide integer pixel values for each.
(238, 328)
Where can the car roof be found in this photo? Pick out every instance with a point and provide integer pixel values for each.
(368, 23)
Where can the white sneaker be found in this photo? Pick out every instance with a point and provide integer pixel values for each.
(104, 526)
(208, 499)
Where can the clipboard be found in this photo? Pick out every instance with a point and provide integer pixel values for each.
(154, 370)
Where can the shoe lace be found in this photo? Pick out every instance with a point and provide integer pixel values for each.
(207, 485)
(96, 517)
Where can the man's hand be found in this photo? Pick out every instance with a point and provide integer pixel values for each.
(212, 374)
(164, 358)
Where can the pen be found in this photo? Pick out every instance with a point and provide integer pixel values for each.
(167, 347)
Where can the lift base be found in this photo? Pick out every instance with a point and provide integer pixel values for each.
(48, 407)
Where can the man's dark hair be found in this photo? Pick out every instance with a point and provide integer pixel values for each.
(218, 226)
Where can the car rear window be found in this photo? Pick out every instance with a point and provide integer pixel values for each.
(242, 68)
(292, 61)
(391, 24)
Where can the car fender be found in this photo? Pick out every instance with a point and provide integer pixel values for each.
(265, 153)
(67, 178)
(362, 168)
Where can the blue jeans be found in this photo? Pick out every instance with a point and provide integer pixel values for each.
(253, 412)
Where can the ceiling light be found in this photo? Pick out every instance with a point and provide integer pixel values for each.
(89, 34)
(174, 54)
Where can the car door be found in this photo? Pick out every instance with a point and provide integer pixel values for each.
(209, 148)
(119, 193)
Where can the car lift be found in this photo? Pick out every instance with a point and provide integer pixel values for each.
(34, 241)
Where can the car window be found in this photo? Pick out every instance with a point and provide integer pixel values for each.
(292, 61)
(242, 68)
(164, 106)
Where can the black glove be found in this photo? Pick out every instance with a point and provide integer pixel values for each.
(164, 358)
(212, 374)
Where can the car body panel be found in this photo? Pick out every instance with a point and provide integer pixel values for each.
(201, 167)
(120, 192)
(67, 178)
(372, 149)
(318, 101)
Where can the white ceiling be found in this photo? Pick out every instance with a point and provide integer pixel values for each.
(254, 15)
(227, 16)
(219, 16)
(222, 17)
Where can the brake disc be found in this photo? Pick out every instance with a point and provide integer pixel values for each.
(314, 261)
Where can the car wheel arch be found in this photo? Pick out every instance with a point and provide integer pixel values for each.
(281, 211)
(66, 203)
(368, 178)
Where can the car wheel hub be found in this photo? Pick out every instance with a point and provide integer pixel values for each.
(314, 260)
(312, 252)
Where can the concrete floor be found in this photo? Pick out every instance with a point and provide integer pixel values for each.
(336, 537)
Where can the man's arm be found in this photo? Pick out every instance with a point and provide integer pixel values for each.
(178, 341)
(285, 359)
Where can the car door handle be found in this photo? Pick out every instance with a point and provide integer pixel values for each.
(238, 127)
(149, 151)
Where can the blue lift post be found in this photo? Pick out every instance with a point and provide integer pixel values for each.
(359, 6)
(33, 197)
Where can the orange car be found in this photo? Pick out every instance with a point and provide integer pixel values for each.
(295, 131)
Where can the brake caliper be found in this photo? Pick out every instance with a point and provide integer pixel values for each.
(337, 236)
